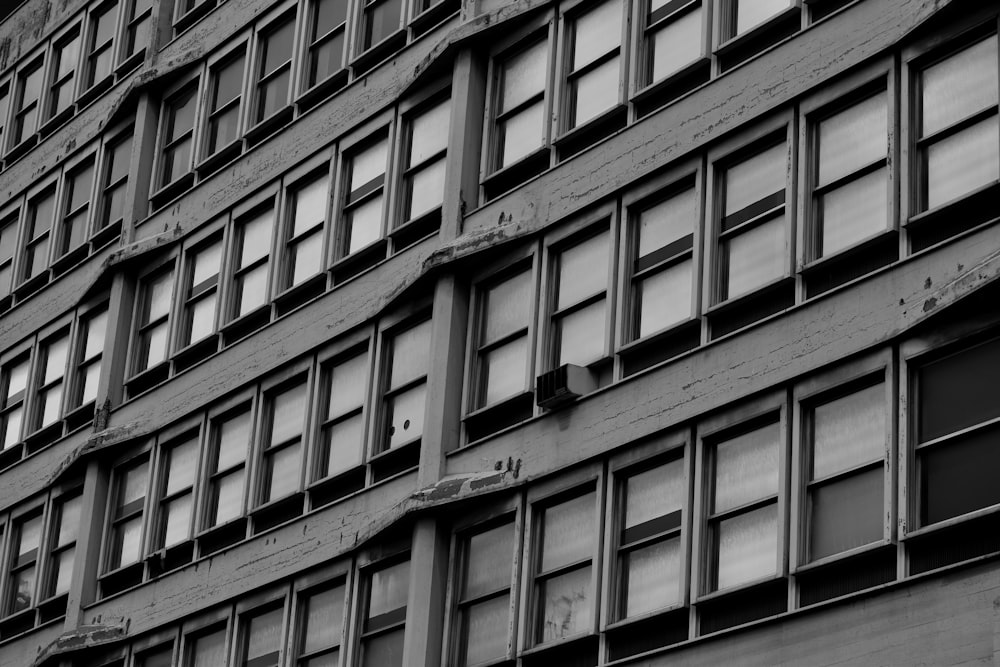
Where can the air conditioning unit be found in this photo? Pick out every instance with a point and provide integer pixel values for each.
(563, 385)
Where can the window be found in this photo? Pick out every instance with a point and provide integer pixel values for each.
(252, 253)
(322, 621)
(327, 40)
(579, 320)
(162, 657)
(406, 388)
(90, 352)
(37, 233)
(362, 213)
(752, 230)
(99, 58)
(521, 126)
(380, 20)
(851, 194)
(27, 103)
(127, 509)
(663, 277)
(563, 581)
(342, 437)
(650, 556)
(956, 430)
(959, 140)
(847, 441)
(175, 507)
(386, 593)
(138, 18)
(274, 70)
(8, 245)
(65, 524)
(26, 544)
(743, 521)
(4, 108)
(76, 207)
(227, 468)
(673, 38)
(484, 596)
(177, 135)
(62, 77)
(201, 292)
(283, 444)
(740, 16)
(15, 383)
(48, 400)
(303, 251)
(226, 95)
(152, 321)
(207, 649)
(423, 178)
(117, 155)
(502, 351)
(593, 79)
(261, 639)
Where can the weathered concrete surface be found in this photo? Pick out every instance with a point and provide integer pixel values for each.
(30, 24)
(83, 638)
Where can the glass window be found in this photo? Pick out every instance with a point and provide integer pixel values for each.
(959, 143)
(159, 657)
(845, 490)
(593, 80)
(520, 118)
(23, 565)
(484, 601)
(76, 207)
(852, 182)
(752, 235)
(407, 353)
(385, 615)
(281, 471)
(322, 621)
(176, 504)
(342, 438)
(274, 69)
(662, 270)
(207, 649)
(423, 179)
(956, 433)
(138, 17)
(128, 504)
(201, 292)
(49, 395)
(261, 639)
(226, 94)
(8, 248)
(65, 525)
(62, 68)
(28, 102)
(253, 253)
(579, 320)
(15, 381)
(673, 37)
(566, 543)
(327, 38)
(177, 135)
(153, 320)
(363, 209)
(649, 545)
(303, 252)
(90, 351)
(37, 234)
(117, 155)
(227, 468)
(100, 44)
(743, 508)
(502, 348)
(380, 20)
(747, 14)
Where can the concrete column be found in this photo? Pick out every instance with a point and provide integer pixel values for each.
(83, 584)
(425, 605)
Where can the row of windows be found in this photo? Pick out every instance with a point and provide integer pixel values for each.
(720, 241)
(49, 382)
(322, 429)
(348, 214)
(64, 217)
(81, 61)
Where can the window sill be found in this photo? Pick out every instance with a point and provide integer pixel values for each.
(661, 93)
(270, 125)
(508, 412)
(96, 90)
(195, 352)
(130, 63)
(170, 558)
(826, 561)
(53, 608)
(147, 379)
(276, 512)
(171, 190)
(924, 531)
(245, 324)
(378, 52)
(80, 416)
(742, 47)
(70, 259)
(220, 158)
(400, 459)
(561, 651)
(30, 286)
(336, 487)
(952, 218)
(222, 536)
(649, 632)
(581, 137)
(824, 274)
(20, 149)
(660, 346)
(43, 437)
(433, 15)
(298, 295)
(53, 123)
(741, 311)
(17, 623)
(865, 568)
(415, 230)
(106, 235)
(640, 618)
(741, 588)
(194, 15)
(325, 88)
(121, 579)
(517, 173)
(11, 454)
(360, 260)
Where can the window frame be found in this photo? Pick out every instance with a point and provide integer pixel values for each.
(321, 166)
(188, 294)
(309, 44)
(220, 618)
(408, 110)
(189, 430)
(643, 86)
(106, 572)
(264, 202)
(38, 508)
(90, 51)
(288, 13)
(51, 114)
(61, 253)
(234, 49)
(245, 610)
(189, 89)
(377, 559)
(51, 186)
(340, 573)
(27, 135)
(166, 265)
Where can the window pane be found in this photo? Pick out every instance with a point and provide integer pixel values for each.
(50, 405)
(568, 532)
(409, 354)
(746, 468)
(154, 347)
(162, 658)
(963, 162)
(756, 257)
(206, 263)
(652, 577)
(131, 487)
(228, 498)
(29, 538)
(595, 91)
(288, 414)
(598, 31)
(958, 391)
(748, 547)
(345, 444)
(854, 211)
(676, 44)
(389, 589)
(654, 493)
(323, 619)
(233, 435)
(666, 222)
(504, 370)
(202, 318)
(665, 298)
(307, 258)
(750, 13)
(959, 86)
(583, 270)
(62, 572)
(17, 378)
(430, 132)
(347, 385)
(55, 359)
(849, 431)
(282, 472)
(382, 19)
(157, 301)
(488, 561)
(523, 76)
(565, 604)
(273, 95)
(22, 589)
(406, 415)
(69, 521)
(365, 224)
(209, 650)
(264, 638)
(427, 189)
(755, 178)
(251, 290)
(277, 47)
(846, 514)
(182, 460)
(310, 206)
(853, 138)
(506, 307)
(384, 650)
(368, 165)
(177, 521)
(522, 133)
(485, 630)
(581, 335)
(327, 57)
(12, 430)
(328, 15)
(959, 476)
(128, 543)
(256, 238)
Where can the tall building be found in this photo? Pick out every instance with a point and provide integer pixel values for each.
(407, 333)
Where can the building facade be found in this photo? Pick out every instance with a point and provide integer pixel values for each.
(568, 332)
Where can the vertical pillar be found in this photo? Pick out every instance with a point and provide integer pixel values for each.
(425, 604)
(83, 584)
